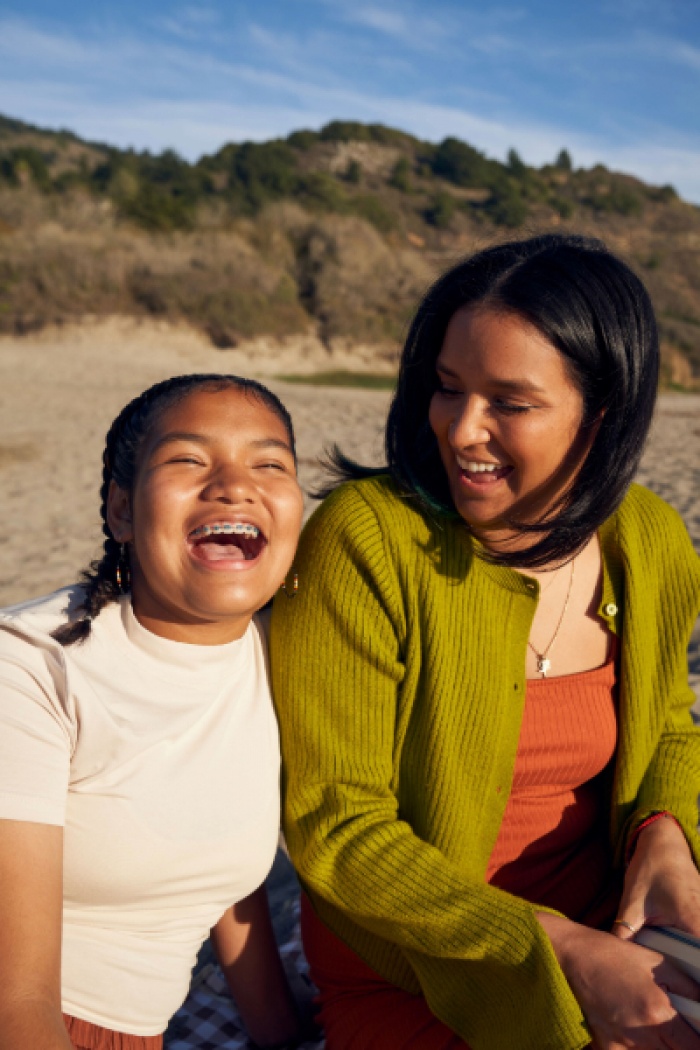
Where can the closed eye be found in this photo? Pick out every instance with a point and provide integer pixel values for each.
(282, 468)
(446, 390)
(509, 408)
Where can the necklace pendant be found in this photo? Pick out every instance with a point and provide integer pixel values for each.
(543, 665)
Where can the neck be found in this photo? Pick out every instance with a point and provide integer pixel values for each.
(203, 632)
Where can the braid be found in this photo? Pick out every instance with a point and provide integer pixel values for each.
(120, 458)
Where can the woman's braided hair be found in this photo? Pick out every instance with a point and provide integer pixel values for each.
(108, 577)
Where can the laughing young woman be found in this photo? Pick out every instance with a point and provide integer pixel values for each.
(139, 755)
(482, 687)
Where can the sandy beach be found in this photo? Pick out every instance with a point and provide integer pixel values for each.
(59, 392)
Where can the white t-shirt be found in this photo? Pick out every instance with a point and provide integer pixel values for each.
(161, 760)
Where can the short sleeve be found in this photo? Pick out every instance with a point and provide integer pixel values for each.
(35, 733)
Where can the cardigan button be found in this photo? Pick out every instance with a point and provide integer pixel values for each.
(610, 609)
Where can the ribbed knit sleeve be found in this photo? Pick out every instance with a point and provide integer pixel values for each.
(355, 673)
(659, 761)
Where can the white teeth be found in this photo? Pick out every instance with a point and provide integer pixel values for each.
(226, 528)
(476, 468)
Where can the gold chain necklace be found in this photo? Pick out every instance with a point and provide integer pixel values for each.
(543, 663)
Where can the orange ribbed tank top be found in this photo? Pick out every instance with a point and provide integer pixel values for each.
(553, 845)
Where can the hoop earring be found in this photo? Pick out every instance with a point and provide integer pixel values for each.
(295, 587)
(123, 579)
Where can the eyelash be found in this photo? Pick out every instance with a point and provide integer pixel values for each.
(504, 407)
(512, 410)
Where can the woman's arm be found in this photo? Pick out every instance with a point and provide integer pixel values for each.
(31, 905)
(659, 760)
(245, 946)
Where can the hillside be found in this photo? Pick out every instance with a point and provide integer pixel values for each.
(335, 233)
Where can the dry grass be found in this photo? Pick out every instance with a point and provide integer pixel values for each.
(287, 272)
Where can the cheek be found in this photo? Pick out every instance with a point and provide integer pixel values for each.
(291, 518)
(157, 516)
(437, 419)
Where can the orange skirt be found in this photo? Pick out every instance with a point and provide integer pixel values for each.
(359, 1010)
(87, 1036)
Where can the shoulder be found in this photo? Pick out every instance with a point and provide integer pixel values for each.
(43, 615)
(33, 667)
(655, 546)
(649, 526)
(642, 508)
(372, 505)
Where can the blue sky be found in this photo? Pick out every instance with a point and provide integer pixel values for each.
(616, 81)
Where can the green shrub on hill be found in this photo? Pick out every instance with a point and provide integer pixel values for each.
(400, 177)
(441, 210)
(353, 172)
(563, 161)
(506, 207)
(616, 199)
(303, 140)
(461, 164)
(354, 131)
(23, 164)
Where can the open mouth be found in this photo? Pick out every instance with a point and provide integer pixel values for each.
(226, 541)
(482, 474)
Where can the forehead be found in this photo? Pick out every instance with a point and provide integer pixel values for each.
(208, 412)
(502, 346)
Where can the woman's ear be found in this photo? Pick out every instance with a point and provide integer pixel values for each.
(119, 513)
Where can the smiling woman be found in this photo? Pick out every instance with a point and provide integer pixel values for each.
(139, 758)
(492, 776)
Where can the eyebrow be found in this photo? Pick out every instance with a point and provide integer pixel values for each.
(522, 385)
(203, 439)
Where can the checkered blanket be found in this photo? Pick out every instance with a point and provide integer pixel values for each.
(209, 1020)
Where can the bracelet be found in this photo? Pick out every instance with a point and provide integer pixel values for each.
(651, 819)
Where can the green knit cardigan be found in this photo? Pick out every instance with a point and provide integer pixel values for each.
(399, 679)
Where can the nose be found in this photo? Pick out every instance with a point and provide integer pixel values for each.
(468, 425)
(229, 483)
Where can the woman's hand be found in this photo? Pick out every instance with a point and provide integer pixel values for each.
(245, 945)
(621, 989)
(662, 884)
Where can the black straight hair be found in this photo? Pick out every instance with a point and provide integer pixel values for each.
(589, 305)
(109, 576)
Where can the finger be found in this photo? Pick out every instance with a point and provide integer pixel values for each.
(676, 982)
(624, 928)
(679, 1035)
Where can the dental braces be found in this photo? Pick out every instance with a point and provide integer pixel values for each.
(226, 529)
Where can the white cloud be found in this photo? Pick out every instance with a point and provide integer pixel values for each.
(406, 23)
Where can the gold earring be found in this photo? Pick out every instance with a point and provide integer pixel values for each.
(123, 581)
(295, 587)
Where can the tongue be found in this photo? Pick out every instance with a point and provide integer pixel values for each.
(220, 552)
